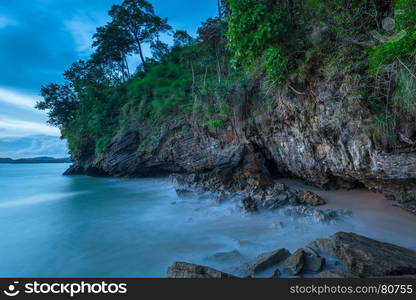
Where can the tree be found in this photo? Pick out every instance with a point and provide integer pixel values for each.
(211, 34)
(223, 10)
(159, 50)
(138, 19)
(112, 47)
(83, 74)
(61, 102)
(181, 38)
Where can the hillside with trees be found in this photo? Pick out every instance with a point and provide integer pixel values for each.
(318, 90)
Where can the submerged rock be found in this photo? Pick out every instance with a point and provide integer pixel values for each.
(219, 198)
(266, 261)
(249, 205)
(183, 192)
(315, 214)
(310, 198)
(294, 263)
(277, 196)
(365, 257)
(187, 270)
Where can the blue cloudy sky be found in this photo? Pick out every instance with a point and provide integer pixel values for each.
(41, 38)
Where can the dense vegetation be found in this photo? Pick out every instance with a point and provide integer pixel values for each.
(367, 44)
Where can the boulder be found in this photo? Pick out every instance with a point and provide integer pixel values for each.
(266, 261)
(249, 205)
(313, 263)
(310, 198)
(294, 263)
(321, 247)
(316, 215)
(187, 270)
(366, 257)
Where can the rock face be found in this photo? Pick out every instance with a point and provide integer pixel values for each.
(365, 257)
(307, 135)
(187, 270)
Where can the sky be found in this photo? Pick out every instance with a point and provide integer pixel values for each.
(39, 39)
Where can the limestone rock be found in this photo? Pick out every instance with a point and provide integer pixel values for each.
(310, 198)
(267, 260)
(294, 263)
(313, 263)
(249, 205)
(316, 215)
(366, 257)
(321, 247)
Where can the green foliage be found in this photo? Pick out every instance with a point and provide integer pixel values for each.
(392, 66)
(102, 143)
(164, 90)
(216, 124)
(257, 28)
(138, 21)
(61, 103)
(404, 94)
(276, 63)
(294, 42)
(400, 45)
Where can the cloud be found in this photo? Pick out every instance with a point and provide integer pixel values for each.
(6, 21)
(12, 127)
(18, 99)
(82, 28)
(31, 146)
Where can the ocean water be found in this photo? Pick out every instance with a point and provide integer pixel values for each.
(57, 226)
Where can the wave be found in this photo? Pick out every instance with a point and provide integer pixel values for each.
(37, 199)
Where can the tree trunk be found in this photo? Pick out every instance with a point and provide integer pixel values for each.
(218, 65)
(193, 78)
(139, 46)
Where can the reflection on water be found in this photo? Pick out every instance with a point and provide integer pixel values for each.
(59, 226)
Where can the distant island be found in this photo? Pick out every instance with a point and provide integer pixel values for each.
(35, 160)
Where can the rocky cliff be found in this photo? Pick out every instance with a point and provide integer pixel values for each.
(306, 132)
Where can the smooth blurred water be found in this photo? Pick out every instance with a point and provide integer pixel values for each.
(57, 226)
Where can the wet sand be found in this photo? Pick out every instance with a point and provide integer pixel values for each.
(373, 215)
